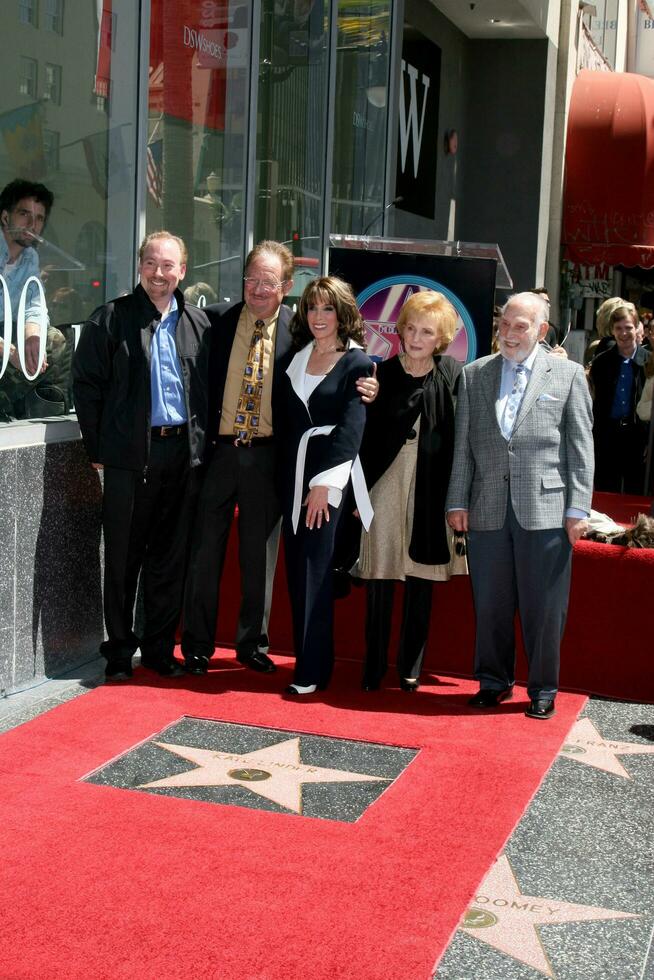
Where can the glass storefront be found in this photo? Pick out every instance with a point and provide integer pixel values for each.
(291, 129)
(68, 111)
(219, 149)
(360, 132)
(199, 78)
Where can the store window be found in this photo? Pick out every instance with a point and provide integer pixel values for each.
(360, 107)
(604, 27)
(198, 137)
(291, 128)
(28, 12)
(51, 149)
(53, 16)
(28, 71)
(52, 87)
(67, 195)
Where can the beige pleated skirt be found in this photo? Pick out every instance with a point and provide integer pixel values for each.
(384, 552)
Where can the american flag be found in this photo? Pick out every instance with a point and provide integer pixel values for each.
(155, 172)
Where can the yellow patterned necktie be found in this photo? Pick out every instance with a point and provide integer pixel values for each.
(248, 410)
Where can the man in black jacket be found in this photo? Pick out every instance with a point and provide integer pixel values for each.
(243, 471)
(240, 472)
(140, 386)
(617, 378)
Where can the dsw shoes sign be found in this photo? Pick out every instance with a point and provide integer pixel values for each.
(418, 126)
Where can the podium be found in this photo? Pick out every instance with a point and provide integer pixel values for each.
(384, 272)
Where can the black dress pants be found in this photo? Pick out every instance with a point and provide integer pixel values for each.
(244, 477)
(146, 524)
(620, 456)
(415, 627)
(309, 568)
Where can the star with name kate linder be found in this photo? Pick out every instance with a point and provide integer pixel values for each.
(275, 772)
(585, 744)
(502, 917)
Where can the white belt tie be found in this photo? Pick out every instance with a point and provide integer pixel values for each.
(361, 497)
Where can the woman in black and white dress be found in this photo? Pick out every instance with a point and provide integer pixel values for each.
(324, 420)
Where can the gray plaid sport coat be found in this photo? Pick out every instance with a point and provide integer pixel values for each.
(547, 465)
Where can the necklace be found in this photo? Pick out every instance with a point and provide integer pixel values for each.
(327, 350)
(412, 368)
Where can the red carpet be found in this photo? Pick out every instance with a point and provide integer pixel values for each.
(106, 883)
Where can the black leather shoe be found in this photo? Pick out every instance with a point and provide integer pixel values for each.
(118, 670)
(409, 683)
(487, 697)
(542, 708)
(198, 665)
(165, 668)
(369, 685)
(256, 660)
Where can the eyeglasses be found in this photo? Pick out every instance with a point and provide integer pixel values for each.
(267, 285)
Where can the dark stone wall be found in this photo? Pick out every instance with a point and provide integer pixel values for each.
(50, 562)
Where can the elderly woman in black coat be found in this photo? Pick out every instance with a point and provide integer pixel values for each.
(407, 457)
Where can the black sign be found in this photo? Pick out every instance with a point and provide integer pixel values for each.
(418, 141)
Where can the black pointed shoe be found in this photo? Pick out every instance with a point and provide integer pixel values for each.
(487, 697)
(542, 708)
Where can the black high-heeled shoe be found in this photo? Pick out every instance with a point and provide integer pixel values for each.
(409, 683)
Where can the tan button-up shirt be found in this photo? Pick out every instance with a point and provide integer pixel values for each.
(236, 369)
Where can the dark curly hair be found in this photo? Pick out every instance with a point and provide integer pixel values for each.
(332, 290)
(14, 192)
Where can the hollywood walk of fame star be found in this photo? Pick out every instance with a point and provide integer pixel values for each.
(502, 917)
(585, 744)
(275, 772)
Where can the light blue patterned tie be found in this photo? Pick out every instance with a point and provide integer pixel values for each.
(513, 401)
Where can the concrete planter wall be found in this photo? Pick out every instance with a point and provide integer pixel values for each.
(50, 558)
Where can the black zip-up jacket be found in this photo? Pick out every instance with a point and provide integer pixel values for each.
(111, 378)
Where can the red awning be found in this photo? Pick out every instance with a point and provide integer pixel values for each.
(608, 205)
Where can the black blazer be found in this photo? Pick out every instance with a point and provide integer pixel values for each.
(604, 373)
(224, 319)
(111, 378)
(336, 402)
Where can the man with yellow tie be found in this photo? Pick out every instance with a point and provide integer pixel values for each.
(251, 347)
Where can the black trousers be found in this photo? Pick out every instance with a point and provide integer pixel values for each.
(620, 456)
(309, 569)
(146, 525)
(415, 627)
(243, 477)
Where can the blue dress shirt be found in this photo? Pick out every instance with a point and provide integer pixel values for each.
(16, 276)
(167, 387)
(622, 400)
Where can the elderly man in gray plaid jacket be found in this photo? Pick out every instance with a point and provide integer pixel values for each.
(521, 487)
